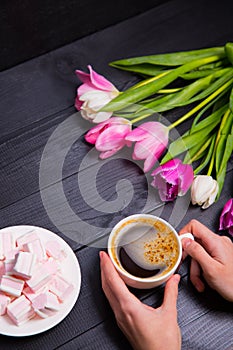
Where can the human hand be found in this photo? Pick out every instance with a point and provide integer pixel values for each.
(144, 326)
(212, 258)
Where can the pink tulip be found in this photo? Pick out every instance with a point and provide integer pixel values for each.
(109, 136)
(151, 140)
(93, 94)
(226, 217)
(172, 179)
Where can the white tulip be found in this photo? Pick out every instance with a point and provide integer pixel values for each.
(204, 190)
(93, 101)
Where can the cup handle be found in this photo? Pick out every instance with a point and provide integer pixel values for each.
(186, 235)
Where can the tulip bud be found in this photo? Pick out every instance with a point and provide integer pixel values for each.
(151, 140)
(204, 190)
(172, 179)
(93, 94)
(226, 217)
(109, 136)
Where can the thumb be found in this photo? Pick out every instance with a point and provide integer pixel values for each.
(171, 293)
(197, 252)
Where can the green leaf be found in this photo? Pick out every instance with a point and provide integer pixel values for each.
(207, 158)
(198, 74)
(197, 151)
(199, 135)
(153, 85)
(229, 51)
(144, 69)
(180, 98)
(220, 179)
(231, 101)
(215, 85)
(171, 59)
(222, 142)
(217, 106)
(184, 143)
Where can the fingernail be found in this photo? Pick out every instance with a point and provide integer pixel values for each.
(186, 242)
(101, 254)
(200, 286)
(176, 277)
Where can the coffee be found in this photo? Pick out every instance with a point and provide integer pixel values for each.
(147, 248)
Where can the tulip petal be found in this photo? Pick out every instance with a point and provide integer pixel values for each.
(185, 179)
(101, 117)
(226, 217)
(99, 81)
(107, 154)
(149, 163)
(78, 103)
(172, 178)
(84, 77)
(136, 134)
(161, 185)
(111, 138)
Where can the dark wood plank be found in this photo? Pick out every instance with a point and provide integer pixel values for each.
(36, 99)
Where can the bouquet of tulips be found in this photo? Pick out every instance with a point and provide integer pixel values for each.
(200, 78)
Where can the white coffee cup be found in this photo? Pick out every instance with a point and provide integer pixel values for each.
(145, 237)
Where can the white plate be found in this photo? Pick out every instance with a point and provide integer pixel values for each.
(70, 269)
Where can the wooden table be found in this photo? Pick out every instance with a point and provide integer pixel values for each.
(50, 177)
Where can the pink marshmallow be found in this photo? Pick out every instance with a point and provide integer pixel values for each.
(26, 238)
(41, 276)
(7, 244)
(54, 250)
(8, 266)
(24, 264)
(11, 285)
(37, 248)
(4, 301)
(30, 295)
(11, 254)
(2, 268)
(61, 288)
(20, 310)
(45, 304)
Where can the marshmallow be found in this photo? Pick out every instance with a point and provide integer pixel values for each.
(24, 264)
(11, 254)
(30, 283)
(60, 287)
(30, 295)
(8, 266)
(11, 285)
(20, 310)
(6, 244)
(2, 268)
(4, 301)
(26, 238)
(37, 248)
(41, 276)
(45, 304)
(54, 250)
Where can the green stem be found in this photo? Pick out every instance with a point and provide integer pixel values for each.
(203, 103)
(225, 117)
(201, 150)
(207, 159)
(135, 120)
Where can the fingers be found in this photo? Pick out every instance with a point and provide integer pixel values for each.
(202, 234)
(195, 276)
(113, 286)
(171, 293)
(198, 253)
